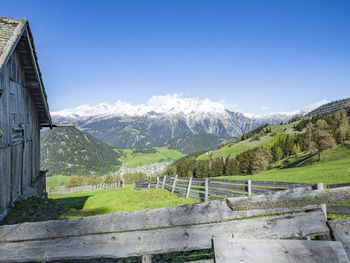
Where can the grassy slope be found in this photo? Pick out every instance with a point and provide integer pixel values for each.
(333, 168)
(237, 148)
(92, 203)
(164, 154)
(120, 200)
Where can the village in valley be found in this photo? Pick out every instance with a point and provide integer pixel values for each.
(181, 177)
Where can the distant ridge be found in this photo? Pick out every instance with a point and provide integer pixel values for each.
(331, 107)
(67, 150)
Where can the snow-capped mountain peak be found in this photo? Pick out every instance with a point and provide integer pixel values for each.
(163, 118)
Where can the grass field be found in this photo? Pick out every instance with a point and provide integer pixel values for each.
(131, 159)
(333, 168)
(116, 200)
(90, 203)
(278, 131)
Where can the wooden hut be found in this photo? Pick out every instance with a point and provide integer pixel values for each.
(23, 111)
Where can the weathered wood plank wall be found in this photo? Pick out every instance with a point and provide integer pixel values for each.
(19, 134)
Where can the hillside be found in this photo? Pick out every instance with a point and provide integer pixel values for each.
(69, 151)
(298, 144)
(234, 148)
(333, 168)
(144, 156)
(195, 143)
(331, 107)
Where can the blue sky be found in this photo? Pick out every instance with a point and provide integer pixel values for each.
(265, 56)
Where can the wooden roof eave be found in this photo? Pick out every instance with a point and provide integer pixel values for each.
(21, 30)
(29, 37)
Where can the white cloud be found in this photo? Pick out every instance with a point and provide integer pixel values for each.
(264, 107)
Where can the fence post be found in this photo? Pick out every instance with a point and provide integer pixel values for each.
(123, 182)
(164, 179)
(189, 187)
(174, 184)
(206, 197)
(146, 259)
(249, 187)
(320, 186)
(133, 182)
(157, 182)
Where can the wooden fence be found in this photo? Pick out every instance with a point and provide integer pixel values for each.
(339, 209)
(118, 184)
(217, 188)
(210, 225)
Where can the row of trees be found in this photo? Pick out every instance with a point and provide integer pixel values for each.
(318, 135)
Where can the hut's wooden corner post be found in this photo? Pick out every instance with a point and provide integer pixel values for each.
(174, 184)
(206, 197)
(249, 187)
(147, 259)
(189, 187)
(164, 179)
(320, 186)
(157, 182)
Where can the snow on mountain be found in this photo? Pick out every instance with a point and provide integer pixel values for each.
(168, 105)
(163, 118)
(286, 115)
(171, 104)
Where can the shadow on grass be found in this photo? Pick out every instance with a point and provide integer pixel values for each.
(300, 162)
(37, 209)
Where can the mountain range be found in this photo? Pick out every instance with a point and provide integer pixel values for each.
(168, 120)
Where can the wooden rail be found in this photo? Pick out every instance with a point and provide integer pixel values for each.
(217, 188)
(118, 184)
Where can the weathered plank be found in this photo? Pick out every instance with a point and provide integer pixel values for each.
(338, 185)
(202, 261)
(223, 192)
(228, 180)
(158, 241)
(228, 250)
(340, 210)
(241, 188)
(291, 198)
(200, 213)
(286, 185)
(341, 232)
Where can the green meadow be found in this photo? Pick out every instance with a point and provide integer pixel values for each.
(334, 167)
(91, 203)
(133, 158)
(233, 149)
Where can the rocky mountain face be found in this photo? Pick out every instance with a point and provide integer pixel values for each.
(69, 151)
(164, 120)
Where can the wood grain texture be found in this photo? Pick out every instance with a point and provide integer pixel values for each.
(341, 232)
(291, 198)
(228, 250)
(161, 240)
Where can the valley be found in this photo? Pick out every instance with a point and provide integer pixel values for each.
(132, 158)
